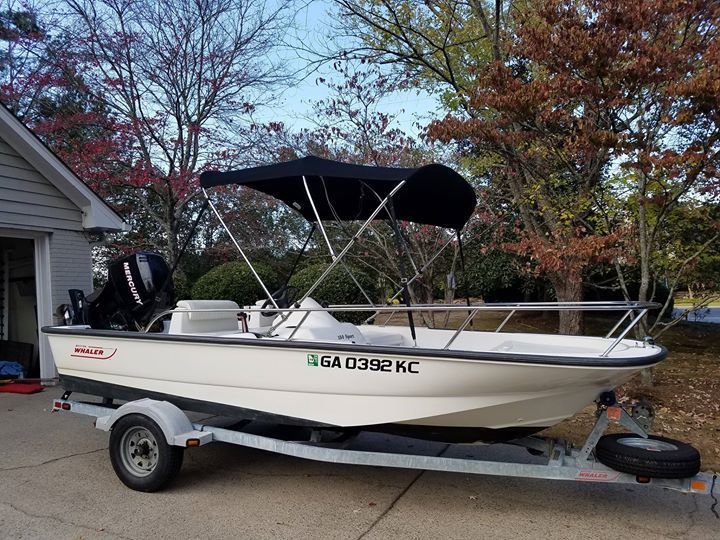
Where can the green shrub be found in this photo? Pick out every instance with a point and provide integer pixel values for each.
(337, 288)
(235, 281)
(494, 276)
(181, 288)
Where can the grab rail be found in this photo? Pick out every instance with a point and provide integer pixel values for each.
(641, 308)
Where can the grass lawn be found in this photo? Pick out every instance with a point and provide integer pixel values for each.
(688, 304)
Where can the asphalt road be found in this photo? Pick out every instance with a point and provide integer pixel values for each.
(56, 482)
(706, 315)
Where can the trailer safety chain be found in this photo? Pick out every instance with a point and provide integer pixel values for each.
(712, 494)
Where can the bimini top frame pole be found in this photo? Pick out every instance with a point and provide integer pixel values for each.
(317, 217)
(337, 259)
(242, 253)
(327, 240)
(353, 240)
(414, 278)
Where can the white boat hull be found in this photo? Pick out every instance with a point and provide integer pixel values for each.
(332, 384)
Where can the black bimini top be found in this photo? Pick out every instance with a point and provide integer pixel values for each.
(433, 194)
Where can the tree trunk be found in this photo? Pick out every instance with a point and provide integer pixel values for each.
(568, 288)
(645, 249)
(641, 330)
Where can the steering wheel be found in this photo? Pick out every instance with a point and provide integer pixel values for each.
(284, 297)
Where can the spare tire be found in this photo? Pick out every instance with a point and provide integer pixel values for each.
(655, 457)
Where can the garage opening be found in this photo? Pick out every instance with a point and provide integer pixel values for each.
(18, 305)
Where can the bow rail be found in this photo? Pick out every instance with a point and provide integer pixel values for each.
(639, 309)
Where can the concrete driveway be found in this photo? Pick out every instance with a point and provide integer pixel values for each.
(56, 482)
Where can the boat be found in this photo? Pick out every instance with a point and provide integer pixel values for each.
(291, 361)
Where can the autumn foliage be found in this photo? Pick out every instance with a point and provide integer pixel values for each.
(577, 91)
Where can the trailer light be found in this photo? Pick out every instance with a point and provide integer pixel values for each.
(614, 413)
(642, 479)
(697, 485)
(192, 442)
(65, 406)
(58, 405)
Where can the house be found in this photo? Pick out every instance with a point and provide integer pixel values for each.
(46, 215)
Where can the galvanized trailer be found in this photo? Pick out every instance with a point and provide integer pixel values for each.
(148, 438)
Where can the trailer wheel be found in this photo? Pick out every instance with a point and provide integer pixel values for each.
(140, 455)
(655, 457)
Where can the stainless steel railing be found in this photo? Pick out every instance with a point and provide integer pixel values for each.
(640, 309)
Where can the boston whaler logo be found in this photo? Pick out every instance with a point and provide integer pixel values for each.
(91, 351)
(589, 475)
(131, 283)
(363, 364)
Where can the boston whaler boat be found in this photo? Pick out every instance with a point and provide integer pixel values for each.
(292, 362)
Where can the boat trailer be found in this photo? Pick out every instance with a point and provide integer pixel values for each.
(148, 433)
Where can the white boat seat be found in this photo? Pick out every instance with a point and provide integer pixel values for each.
(204, 322)
(376, 336)
(319, 326)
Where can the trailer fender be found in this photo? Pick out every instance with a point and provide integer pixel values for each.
(174, 423)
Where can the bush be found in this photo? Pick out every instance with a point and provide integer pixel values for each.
(235, 281)
(337, 288)
(496, 276)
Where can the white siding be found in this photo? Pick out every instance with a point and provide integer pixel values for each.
(28, 199)
(70, 265)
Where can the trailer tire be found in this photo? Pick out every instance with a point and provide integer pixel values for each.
(655, 457)
(141, 456)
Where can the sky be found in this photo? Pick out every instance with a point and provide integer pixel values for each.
(294, 107)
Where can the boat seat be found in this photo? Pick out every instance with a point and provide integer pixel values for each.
(379, 337)
(204, 322)
(319, 326)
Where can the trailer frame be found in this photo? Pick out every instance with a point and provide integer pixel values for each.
(563, 461)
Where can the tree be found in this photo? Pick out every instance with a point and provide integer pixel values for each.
(686, 254)
(670, 136)
(555, 94)
(25, 73)
(690, 244)
(177, 78)
(43, 85)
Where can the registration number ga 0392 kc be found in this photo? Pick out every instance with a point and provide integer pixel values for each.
(360, 363)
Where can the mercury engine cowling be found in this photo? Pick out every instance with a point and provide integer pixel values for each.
(138, 285)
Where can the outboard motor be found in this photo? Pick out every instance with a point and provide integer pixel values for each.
(138, 285)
